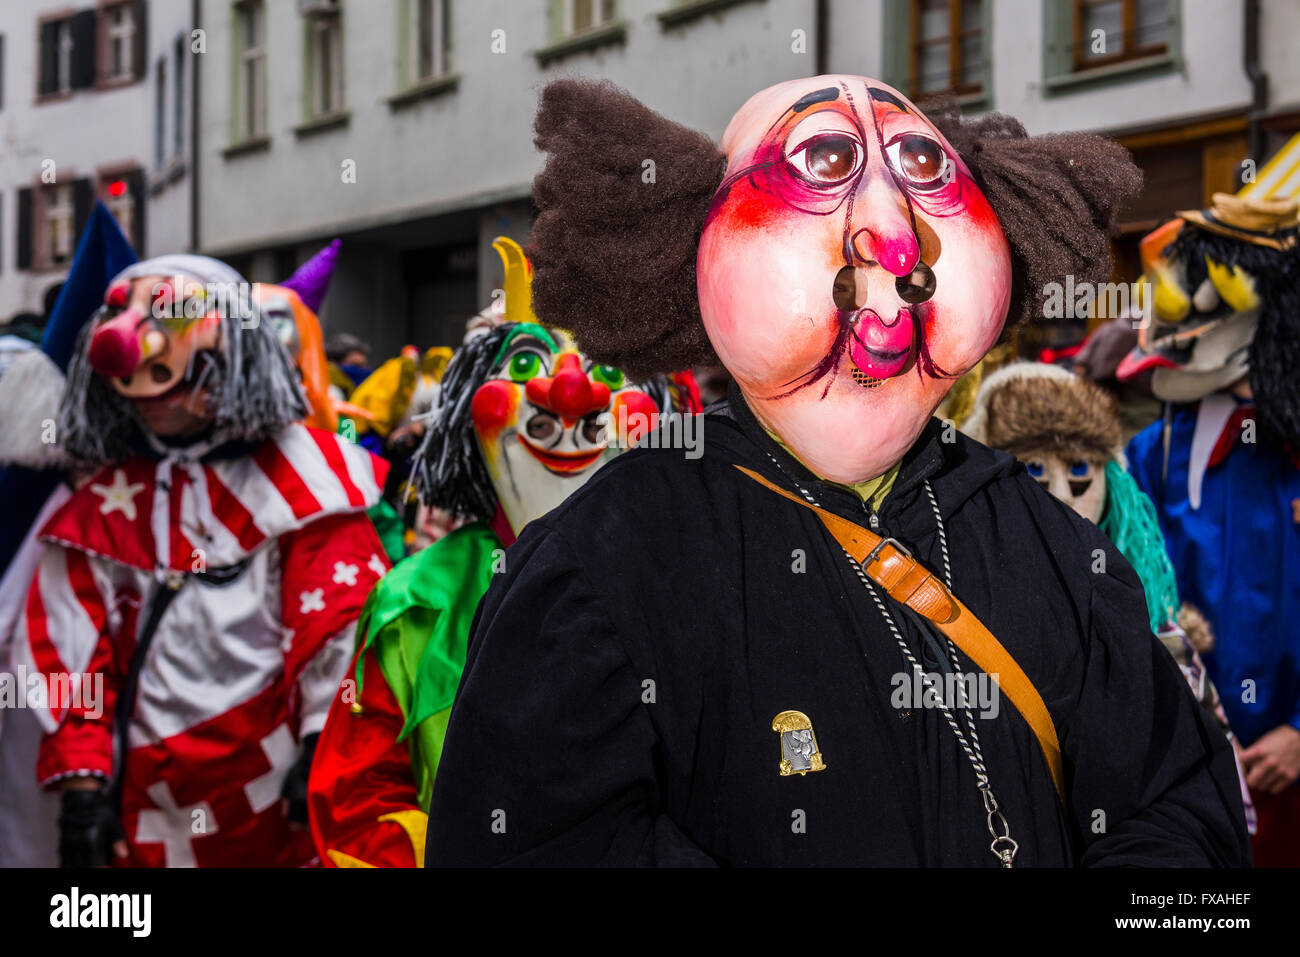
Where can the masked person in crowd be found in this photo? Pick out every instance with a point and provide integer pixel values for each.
(844, 634)
(523, 420)
(1223, 468)
(210, 573)
(1067, 430)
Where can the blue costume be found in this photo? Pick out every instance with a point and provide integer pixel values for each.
(1237, 558)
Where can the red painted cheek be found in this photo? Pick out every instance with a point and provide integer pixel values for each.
(747, 208)
(493, 408)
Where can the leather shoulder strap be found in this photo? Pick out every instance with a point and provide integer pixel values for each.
(892, 567)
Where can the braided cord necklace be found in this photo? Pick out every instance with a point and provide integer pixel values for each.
(1003, 846)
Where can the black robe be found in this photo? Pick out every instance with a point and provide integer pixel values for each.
(624, 672)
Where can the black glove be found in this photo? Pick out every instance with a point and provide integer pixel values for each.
(295, 782)
(88, 827)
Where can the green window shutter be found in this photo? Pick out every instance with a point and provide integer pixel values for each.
(405, 41)
(554, 20)
(236, 110)
(308, 84)
(448, 38)
(1058, 34)
(897, 29)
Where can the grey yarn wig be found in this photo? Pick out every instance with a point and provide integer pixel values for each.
(254, 388)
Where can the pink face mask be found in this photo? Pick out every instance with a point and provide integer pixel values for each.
(850, 270)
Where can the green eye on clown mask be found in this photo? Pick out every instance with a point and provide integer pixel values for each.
(608, 375)
(525, 366)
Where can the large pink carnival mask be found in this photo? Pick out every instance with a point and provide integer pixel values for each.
(849, 270)
(845, 256)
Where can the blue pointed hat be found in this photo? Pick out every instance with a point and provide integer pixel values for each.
(102, 253)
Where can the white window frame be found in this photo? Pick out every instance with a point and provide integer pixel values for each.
(122, 207)
(440, 64)
(119, 37)
(64, 54)
(326, 37)
(59, 224)
(598, 17)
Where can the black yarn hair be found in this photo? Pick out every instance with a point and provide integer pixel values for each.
(449, 471)
(254, 392)
(1274, 356)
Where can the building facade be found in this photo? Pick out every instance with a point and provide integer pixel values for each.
(405, 126)
(95, 103)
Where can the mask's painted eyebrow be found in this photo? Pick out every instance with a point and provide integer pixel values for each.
(817, 96)
(528, 330)
(884, 96)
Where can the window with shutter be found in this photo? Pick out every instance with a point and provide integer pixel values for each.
(54, 54)
(83, 51)
(119, 31)
(23, 233)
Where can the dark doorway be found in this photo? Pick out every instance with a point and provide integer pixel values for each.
(443, 284)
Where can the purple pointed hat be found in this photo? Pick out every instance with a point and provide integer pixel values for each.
(312, 279)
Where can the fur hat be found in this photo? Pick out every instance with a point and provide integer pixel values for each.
(1029, 406)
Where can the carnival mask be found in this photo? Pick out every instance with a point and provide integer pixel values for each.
(849, 271)
(1204, 311)
(296, 326)
(547, 417)
(152, 343)
(1079, 483)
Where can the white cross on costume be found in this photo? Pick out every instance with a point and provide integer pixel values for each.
(376, 565)
(118, 497)
(280, 750)
(345, 574)
(173, 826)
(313, 600)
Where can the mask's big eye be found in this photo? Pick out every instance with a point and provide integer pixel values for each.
(1035, 469)
(827, 159)
(608, 375)
(1078, 469)
(525, 366)
(919, 160)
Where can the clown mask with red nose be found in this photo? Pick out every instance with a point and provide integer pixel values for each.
(178, 351)
(547, 417)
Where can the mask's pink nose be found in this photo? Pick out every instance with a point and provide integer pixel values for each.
(115, 346)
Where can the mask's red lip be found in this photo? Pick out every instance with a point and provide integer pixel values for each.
(882, 350)
(564, 463)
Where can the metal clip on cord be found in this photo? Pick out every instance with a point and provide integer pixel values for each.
(1007, 853)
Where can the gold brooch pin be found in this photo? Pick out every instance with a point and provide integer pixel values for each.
(799, 751)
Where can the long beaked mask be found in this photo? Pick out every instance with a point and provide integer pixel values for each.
(546, 418)
(177, 352)
(849, 271)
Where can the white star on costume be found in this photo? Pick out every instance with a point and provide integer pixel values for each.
(377, 566)
(313, 600)
(345, 574)
(118, 497)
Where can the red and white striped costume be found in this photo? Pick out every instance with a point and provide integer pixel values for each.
(245, 660)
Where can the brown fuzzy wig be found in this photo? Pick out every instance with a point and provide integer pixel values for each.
(614, 258)
(1057, 196)
(1076, 419)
